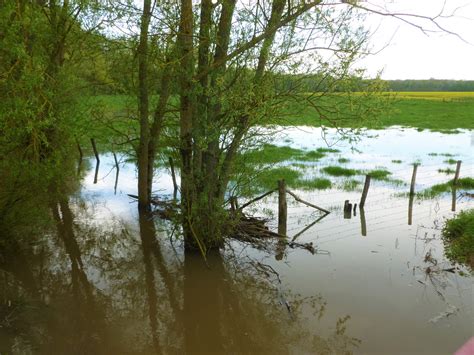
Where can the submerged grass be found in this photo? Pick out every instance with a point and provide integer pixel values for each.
(441, 154)
(267, 179)
(313, 184)
(446, 171)
(271, 154)
(350, 185)
(379, 174)
(339, 171)
(439, 189)
(458, 237)
(312, 156)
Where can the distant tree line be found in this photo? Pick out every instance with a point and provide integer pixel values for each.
(431, 85)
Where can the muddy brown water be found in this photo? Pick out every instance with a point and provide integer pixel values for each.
(91, 276)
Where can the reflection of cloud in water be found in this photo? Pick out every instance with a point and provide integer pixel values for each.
(119, 203)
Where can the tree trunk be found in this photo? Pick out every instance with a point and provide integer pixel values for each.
(185, 45)
(143, 105)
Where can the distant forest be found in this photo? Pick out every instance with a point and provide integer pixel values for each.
(316, 83)
(431, 85)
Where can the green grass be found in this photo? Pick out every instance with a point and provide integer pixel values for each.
(439, 111)
(343, 160)
(339, 171)
(458, 238)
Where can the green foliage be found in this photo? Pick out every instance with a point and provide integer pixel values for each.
(343, 160)
(397, 161)
(458, 237)
(451, 161)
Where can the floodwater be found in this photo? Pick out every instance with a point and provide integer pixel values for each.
(83, 273)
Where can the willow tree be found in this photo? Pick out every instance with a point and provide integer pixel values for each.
(227, 57)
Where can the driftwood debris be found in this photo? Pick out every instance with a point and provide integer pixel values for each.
(306, 202)
(245, 228)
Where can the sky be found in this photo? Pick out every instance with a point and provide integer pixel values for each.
(408, 53)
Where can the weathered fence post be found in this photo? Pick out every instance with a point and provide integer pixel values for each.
(173, 176)
(365, 191)
(413, 179)
(410, 209)
(95, 150)
(282, 207)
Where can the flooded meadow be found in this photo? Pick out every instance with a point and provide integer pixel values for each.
(82, 271)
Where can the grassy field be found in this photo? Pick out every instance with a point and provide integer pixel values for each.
(439, 111)
(432, 110)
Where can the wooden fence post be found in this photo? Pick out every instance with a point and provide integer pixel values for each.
(363, 224)
(413, 179)
(347, 209)
(365, 191)
(282, 207)
(456, 175)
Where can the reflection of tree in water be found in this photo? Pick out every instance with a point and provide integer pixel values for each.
(100, 288)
